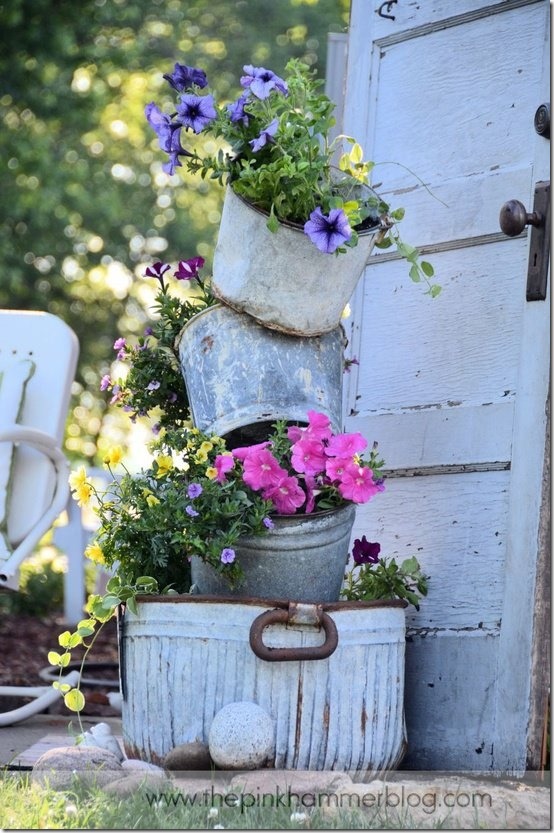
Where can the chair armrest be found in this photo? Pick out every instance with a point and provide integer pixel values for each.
(47, 445)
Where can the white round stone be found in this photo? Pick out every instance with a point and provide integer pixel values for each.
(242, 736)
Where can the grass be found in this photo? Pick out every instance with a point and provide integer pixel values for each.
(27, 806)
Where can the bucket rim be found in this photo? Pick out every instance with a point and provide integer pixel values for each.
(228, 308)
(298, 226)
(252, 601)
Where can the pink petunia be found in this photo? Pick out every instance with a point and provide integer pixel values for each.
(261, 470)
(319, 426)
(223, 463)
(295, 433)
(308, 456)
(243, 452)
(287, 496)
(345, 445)
(336, 466)
(357, 484)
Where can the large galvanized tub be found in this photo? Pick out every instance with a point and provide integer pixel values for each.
(241, 377)
(280, 278)
(302, 558)
(335, 691)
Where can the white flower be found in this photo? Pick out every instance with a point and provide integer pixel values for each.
(299, 818)
(70, 810)
(213, 813)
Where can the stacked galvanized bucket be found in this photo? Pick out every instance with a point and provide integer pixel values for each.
(329, 674)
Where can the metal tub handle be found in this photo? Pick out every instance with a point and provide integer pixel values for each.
(295, 614)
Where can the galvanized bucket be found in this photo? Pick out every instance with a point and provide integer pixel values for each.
(303, 558)
(330, 676)
(241, 377)
(280, 278)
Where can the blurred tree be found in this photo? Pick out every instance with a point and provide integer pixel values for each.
(85, 204)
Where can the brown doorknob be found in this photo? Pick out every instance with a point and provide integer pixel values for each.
(514, 218)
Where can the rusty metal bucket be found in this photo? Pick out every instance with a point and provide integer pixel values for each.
(280, 278)
(302, 558)
(330, 676)
(242, 377)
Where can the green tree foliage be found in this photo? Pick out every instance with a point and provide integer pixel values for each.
(85, 204)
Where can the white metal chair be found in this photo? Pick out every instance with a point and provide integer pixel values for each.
(38, 358)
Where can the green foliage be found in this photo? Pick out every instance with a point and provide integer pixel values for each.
(154, 382)
(387, 580)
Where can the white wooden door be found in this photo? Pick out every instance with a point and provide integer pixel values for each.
(455, 388)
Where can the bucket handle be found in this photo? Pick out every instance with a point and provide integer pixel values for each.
(295, 614)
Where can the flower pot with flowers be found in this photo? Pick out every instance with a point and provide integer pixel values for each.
(287, 207)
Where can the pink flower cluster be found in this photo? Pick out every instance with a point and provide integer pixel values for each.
(320, 462)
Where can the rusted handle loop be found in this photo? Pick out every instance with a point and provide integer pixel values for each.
(274, 617)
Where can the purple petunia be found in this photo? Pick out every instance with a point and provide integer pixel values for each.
(236, 110)
(169, 136)
(194, 490)
(328, 232)
(105, 382)
(265, 136)
(157, 270)
(184, 77)
(196, 112)
(227, 555)
(262, 81)
(154, 385)
(191, 512)
(188, 269)
(365, 552)
(268, 523)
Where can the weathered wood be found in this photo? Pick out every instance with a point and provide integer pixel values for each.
(457, 384)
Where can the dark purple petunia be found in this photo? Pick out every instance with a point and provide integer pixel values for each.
(261, 81)
(265, 136)
(184, 77)
(169, 136)
(364, 552)
(188, 269)
(196, 111)
(328, 232)
(236, 110)
(157, 270)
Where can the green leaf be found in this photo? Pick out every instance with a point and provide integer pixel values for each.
(272, 222)
(427, 268)
(398, 214)
(132, 605)
(435, 290)
(414, 273)
(74, 700)
(64, 639)
(54, 658)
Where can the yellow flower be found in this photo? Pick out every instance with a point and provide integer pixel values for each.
(165, 464)
(201, 456)
(83, 493)
(211, 473)
(94, 552)
(152, 500)
(206, 446)
(77, 478)
(113, 456)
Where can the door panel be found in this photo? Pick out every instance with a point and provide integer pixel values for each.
(454, 388)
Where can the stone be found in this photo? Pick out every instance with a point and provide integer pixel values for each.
(101, 736)
(132, 765)
(59, 767)
(242, 736)
(188, 756)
